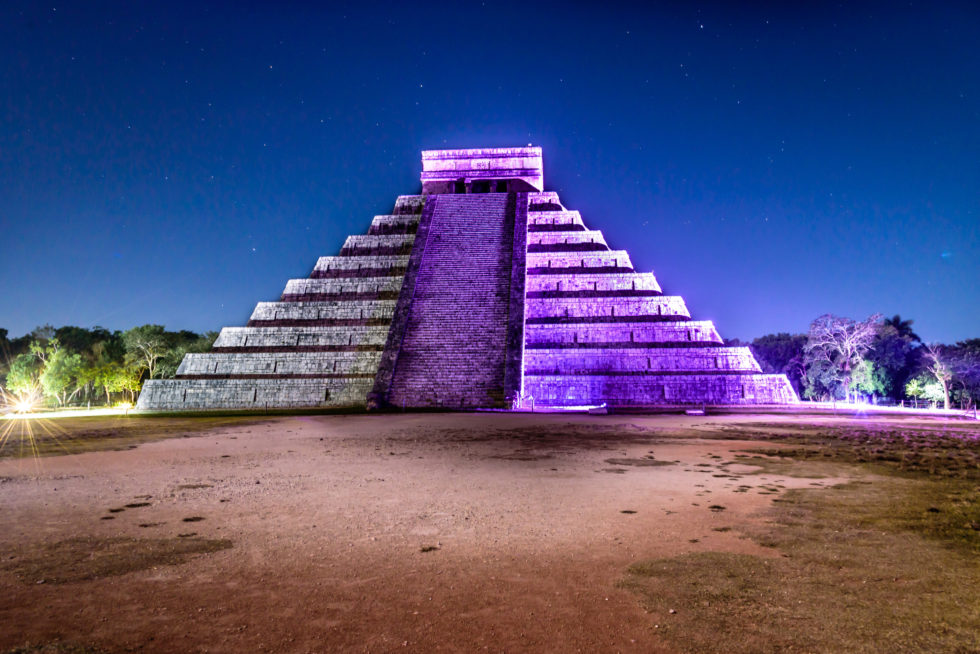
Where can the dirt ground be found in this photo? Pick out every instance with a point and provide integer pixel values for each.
(418, 533)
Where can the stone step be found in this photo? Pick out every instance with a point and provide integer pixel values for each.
(394, 224)
(311, 311)
(638, 360)
(259, 338)
(605, 309)
(378, 244)
(454, 346)
(609, 283)
(359, 266)
(591, 335)
(570, 220)
(280, 364)
(323, 289)
(581, 237)
(650, 390)
(409, 204)
(255, 394)
(539, 263)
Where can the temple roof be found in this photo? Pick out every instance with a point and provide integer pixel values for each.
(484, 164)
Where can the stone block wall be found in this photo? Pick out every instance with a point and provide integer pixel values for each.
(258, 394)
(555, 221)
(279, 364)
(360, 266)
(654, 389)
(356, 288)
(584, 361)
(555, 241)
(394, 224)
(328, 312)
(607, 284)
(638, 334)
(377, 244)
(305, 339)
(561, 262)
(606, 309)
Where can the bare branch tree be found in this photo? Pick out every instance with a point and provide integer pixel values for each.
(145, 346)
(940, 368)
(841, 343)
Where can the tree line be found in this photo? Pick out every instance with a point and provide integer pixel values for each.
(80, 366)
(878, 359)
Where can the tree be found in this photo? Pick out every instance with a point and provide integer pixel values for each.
(939, 367)
(182, 343)
(61, 374)
(145, 346)
(914, 389)
(128, 379)
(964, 359)
(903, 328)
(23, 379)
(106, 378)
(894, 353)
(835, 346)
(933, 392)
(867, 378)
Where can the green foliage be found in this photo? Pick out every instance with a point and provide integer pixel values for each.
(868, 378)
(894, 352)
(183, 343)
(79, 365)
(23, 379)
(914, 388)
(61, 375)
(933, 392)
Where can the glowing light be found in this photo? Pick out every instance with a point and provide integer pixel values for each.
(70, 413)
(23, 406)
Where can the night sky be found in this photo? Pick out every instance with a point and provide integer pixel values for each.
(176, 163)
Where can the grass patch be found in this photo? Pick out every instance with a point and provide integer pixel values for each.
(784, 466)
(645, 462)
(57, 648)
(864, 567)
(39, 437)
(944, 449)
(84, 559)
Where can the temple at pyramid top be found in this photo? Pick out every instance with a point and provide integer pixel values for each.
(482, 291)
(483, 170)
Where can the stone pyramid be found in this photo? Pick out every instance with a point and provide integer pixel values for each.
(483, 291)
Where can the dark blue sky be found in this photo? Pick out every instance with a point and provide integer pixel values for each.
(176, 163)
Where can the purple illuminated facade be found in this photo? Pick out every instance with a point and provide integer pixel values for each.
(484, 291)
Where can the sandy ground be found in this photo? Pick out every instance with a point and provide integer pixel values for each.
(329, 516)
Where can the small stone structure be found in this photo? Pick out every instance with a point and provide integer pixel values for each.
(482, 292)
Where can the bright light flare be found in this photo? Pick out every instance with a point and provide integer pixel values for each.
(69, 413)
(23, 406)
